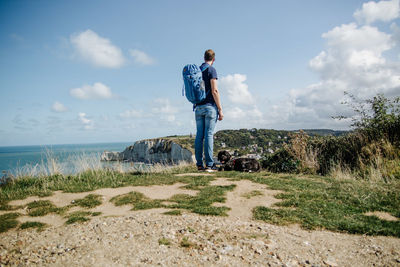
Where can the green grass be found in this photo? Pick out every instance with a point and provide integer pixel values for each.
(164, 241)
(91, 180)
(90, 201)
(253, 193)
(4, 206)
(37, 225)
(185, 243)
(314, 202)
(8, 221)
(24, 187)
(44, 207)
(80, 216)
(137, 200)
(322, 202)
(173, 212)
(202, 202)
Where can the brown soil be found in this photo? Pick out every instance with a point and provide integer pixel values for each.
(241, 206)
(132, 237)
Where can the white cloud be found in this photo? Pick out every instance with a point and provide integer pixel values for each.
(131, 114)
(354, 57)
(163, 106)
(236, 113)
(95, 91)
(353, 61)
(97, 50)
(170, 118)
(58, 107)
(87, 123)
(396, 33)
(141, 57)
(243, 117)
(375, 11)
(237, 89)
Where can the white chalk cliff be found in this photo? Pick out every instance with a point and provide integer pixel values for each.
(151, 151)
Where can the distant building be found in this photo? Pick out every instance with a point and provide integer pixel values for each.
(253, 156)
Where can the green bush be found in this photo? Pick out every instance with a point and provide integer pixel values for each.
(372, 148)
(281, 161)
(342, 150)
(378, 118)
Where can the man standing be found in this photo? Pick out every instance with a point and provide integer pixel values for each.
(207, 113)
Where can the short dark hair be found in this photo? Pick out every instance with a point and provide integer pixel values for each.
(209, 55)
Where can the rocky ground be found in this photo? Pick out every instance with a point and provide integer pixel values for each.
(145, 238)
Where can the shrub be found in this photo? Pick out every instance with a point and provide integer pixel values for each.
(300, 148)
(342, 150)
(281, 161)
(370, 151)
(377, 118)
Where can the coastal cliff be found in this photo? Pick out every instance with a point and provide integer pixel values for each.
(151, 151)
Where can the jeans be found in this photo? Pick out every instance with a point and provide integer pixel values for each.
(206, 118)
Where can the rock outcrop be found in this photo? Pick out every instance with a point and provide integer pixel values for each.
(151, 151)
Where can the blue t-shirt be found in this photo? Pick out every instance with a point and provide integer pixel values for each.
(208, 74)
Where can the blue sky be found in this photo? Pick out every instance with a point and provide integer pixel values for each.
(110, 71)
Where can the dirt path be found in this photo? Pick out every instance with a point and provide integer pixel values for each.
(240, 200)
(133, 240)
(133, 237)
(61, 199)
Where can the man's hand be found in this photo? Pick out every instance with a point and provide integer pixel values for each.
(220, 115)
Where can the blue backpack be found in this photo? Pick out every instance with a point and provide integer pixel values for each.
(193, 83)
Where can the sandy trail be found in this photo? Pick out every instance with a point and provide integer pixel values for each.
(121, 237)
(61, 199)
(241, 206)
(133, 240)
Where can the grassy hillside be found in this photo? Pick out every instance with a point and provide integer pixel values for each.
(248, 141)
(314, 202)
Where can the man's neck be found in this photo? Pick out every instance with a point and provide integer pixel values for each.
(209, 62)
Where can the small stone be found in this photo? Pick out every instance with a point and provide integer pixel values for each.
(258, 251)
(331, 262)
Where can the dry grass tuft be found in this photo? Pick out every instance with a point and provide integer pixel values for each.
(307, 155)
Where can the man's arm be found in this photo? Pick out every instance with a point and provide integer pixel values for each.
(215, 93)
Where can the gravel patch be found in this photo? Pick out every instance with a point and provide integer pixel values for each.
(122, 237)
(134, 240)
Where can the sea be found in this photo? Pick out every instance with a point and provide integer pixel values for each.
(50, 159)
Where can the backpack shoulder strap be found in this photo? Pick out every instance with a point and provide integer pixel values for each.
(206, 66)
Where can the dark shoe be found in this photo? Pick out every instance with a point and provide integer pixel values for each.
(201, 168)
(213, 168)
